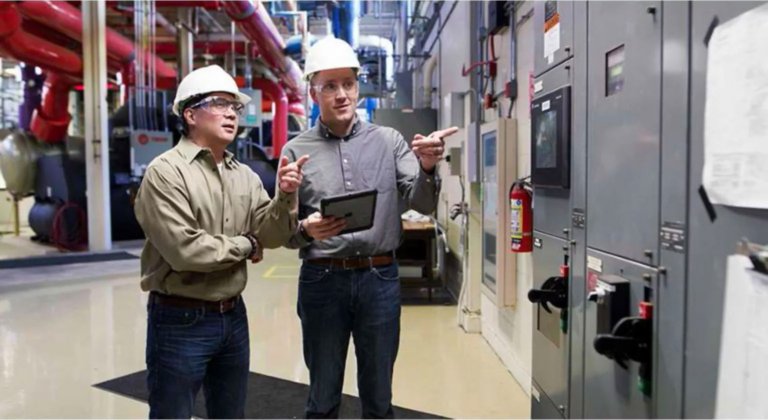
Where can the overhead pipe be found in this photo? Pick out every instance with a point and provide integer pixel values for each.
(51, 118)
(280, 120)
(67, 19)
(205, 4)
(210, 47)
(254, 21)
(129, 11)
(34, 50)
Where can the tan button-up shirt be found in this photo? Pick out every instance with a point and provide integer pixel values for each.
(193, 215)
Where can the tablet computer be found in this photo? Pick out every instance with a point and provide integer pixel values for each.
(357, 207)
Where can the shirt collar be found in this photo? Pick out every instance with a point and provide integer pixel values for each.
(189, 150)
(326, 132)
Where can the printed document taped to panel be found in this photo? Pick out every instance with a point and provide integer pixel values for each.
(736, 116)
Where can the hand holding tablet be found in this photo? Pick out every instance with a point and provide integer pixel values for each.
(357, 209)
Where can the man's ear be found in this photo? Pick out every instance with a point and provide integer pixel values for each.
(313, 95)
(189, 117)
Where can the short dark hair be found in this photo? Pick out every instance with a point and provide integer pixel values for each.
(182, 126)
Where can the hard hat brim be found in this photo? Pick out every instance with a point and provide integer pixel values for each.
(308, 76)
(241, 97)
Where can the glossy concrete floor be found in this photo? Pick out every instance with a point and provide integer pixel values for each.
(88, 325)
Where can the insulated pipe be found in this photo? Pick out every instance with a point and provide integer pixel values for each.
(383, 44)
(51, 119)
(293, 44)
(67, 19)
(427, 71)
(34, 50)
(254, 21)
(280, 120)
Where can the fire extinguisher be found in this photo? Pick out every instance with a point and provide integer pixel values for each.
(521, 217)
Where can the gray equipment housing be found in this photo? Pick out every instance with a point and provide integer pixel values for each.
(637, 72)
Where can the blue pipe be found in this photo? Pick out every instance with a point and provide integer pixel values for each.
(314, 114)
(293, 44)
(345, 21)
(370, 105)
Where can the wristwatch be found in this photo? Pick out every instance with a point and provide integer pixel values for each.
(307, 237)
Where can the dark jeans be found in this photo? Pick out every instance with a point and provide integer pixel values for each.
(187, 348)
(334, 303)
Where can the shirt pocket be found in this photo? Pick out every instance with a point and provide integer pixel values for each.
(241, 204)
(379, 174)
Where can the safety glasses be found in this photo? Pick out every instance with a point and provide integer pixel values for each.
(219, 106)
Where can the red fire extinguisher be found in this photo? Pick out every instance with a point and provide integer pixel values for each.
(521, 218)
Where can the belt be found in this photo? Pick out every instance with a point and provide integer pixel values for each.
(355, 262)
(220, 306)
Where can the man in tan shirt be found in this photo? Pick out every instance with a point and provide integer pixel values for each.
(204, 215)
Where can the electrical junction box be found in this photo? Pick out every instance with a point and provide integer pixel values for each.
(252, 113)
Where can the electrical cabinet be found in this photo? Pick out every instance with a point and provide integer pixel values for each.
(615, 385)
(553, 33)
(623, 135)
(550, 321)
(551, 205)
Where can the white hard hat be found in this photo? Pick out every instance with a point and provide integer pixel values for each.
(206, 80)
(329, 53)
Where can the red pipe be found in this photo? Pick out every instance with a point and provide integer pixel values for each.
(51, 119)
(280, 120)
(297, 108)
(67, 19)
(254, 21)
(32, 49)
(205, 4)
(295, 73)
(209, 47)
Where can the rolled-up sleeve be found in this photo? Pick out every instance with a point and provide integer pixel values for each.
(163, 211)
(419, 188)
(273, 221)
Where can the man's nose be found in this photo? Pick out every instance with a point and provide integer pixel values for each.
(341, 94)
(231, 114)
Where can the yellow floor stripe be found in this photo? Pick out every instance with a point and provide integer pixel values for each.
(270, 273)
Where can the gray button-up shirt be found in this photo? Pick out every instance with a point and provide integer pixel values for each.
(370, 157)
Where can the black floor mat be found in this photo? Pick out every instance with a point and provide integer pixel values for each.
(61, 259)
(268, 398)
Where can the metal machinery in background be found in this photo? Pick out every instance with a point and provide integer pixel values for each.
(617, 157)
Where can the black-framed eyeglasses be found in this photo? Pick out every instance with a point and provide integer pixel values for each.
(219, 106)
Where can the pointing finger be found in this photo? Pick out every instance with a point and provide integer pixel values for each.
(302, 160)
(283, 161)
(445, 132)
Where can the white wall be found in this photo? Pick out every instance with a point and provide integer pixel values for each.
(508, 330)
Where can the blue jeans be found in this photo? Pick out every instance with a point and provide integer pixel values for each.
(190, 348)
(334, 304)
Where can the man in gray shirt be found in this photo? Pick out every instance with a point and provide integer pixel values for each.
(349, 284)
